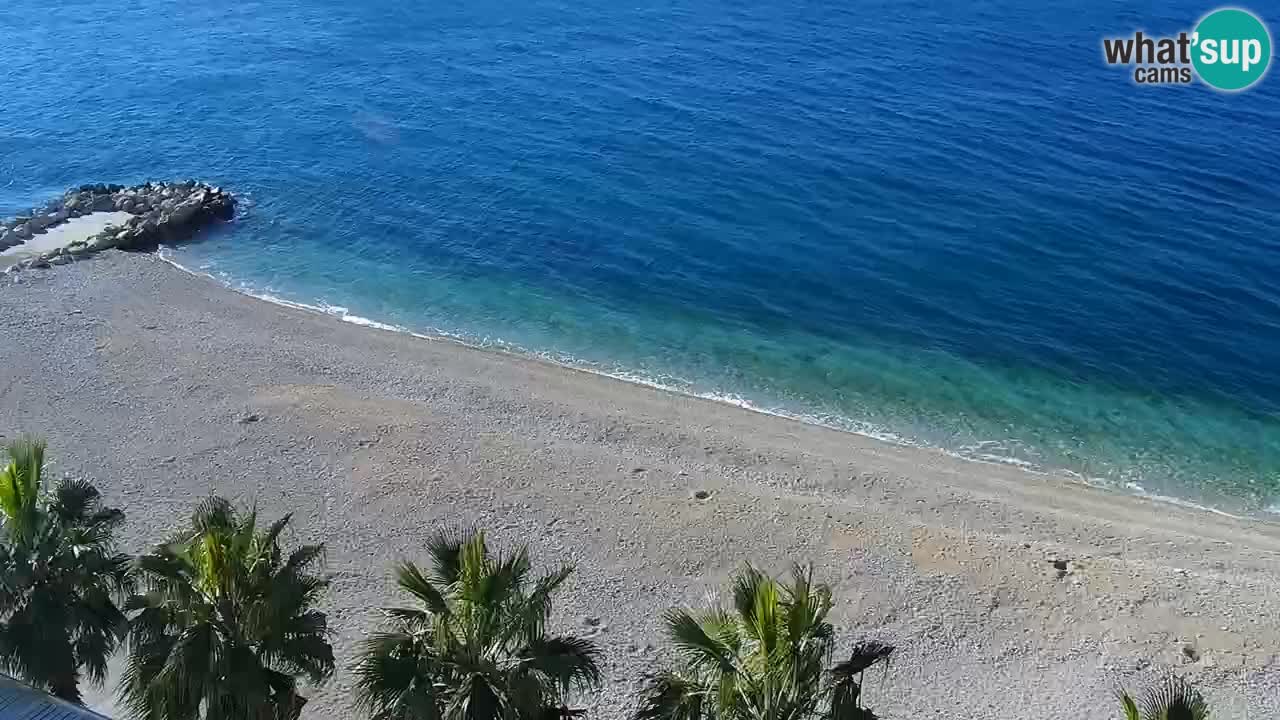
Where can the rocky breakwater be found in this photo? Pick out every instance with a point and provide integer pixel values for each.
(161, 213)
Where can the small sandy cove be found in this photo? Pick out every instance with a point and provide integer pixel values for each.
(1008, 593)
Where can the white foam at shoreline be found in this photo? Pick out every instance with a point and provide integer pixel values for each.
(725, 398)
(79, 228)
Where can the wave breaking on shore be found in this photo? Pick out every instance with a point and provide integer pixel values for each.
(973, 452)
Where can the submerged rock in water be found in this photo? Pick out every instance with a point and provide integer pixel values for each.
(162, 213)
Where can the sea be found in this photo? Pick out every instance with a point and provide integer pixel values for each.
(949, 225)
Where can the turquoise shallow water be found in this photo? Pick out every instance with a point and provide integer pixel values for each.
(948, 226)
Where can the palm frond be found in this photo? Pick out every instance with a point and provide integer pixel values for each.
(560, 712)
(20, 483)
(668, 696)
(530, 614)
(1174, 699)
(551, 582)
(388, 665)
(27, 454)
(1129, 705)
(478, 697)
(864, 655)
(445, 548)
(699, 647)
(764, 621)
(410, 619)
(747, 584)
(570, 663)
(413, 581)
(213, 515)
(303, 557)
(846, 686)
(271, 538)
(807, 606)
(306, 654)
(474, 569)
(74, 501)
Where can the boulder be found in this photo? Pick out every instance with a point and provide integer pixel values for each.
(102, 241)
(126, 239)
(224, 208)
(103, 203)
(184, 213)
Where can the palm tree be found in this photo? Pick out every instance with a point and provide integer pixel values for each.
(226, 624)
(59, 577)
(476, 648)
(766, 659)
(1171, 699)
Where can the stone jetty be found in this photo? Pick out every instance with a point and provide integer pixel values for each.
(160, 213)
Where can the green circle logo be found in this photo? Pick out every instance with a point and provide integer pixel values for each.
(1232, 49)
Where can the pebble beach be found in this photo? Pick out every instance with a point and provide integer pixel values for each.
(1002, 588)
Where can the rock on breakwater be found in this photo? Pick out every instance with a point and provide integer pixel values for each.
(161, 212)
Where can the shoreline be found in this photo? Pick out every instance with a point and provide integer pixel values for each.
(1131, 489)
(140, 374)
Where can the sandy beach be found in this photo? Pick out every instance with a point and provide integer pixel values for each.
(164, 387)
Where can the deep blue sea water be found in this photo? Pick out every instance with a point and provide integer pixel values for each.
(946, 223)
